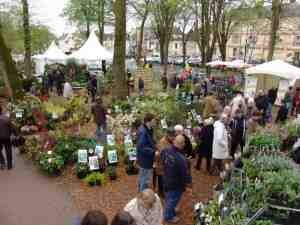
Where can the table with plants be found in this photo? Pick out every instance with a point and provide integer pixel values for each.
(264, 189)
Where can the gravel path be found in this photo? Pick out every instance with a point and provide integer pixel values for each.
(28, 197)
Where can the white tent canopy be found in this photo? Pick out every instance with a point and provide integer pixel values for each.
(52, 55)
(276, 68)
(92, 50)
(274, 74)
(216, 63)
(236, 64)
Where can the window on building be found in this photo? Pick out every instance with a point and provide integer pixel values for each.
(297, 40)
(235, 38)
(176, 46)
(234, 52)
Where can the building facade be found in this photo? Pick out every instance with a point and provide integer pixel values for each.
(252, 42)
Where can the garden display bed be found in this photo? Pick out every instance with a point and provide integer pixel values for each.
(265, 191)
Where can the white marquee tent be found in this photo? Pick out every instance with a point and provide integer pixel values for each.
(274, 74)
(236, 64)
(52, 55)
(92, 51)
(270, 72)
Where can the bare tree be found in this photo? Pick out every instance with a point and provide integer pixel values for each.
(185, 27)
(142, 10)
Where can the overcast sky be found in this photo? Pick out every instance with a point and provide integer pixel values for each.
(48, 12)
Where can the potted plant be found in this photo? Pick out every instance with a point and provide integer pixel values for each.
(51, 163)
(82, 170)
(112, 172)
(95, 178)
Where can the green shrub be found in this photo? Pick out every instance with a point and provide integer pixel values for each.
(51, 163)
(95, 178)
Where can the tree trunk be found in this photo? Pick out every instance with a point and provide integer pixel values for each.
(8, 69)
(118, 68)
(101, 18)
(275, 22)
(27, 39)
(87, 34)
(140, 42)
(184, 43)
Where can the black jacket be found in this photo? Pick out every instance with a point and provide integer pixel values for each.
(176, 173)
(6, 128)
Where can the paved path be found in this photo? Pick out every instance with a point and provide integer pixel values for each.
(28, 197)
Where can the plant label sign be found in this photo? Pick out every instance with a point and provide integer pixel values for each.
(19, 114)
(94, 163)
(99, 150)
(110, 139)
(164, 124)
(128, 141)
(82, 156)
(54, 116)
(112, 156)
(132, 154)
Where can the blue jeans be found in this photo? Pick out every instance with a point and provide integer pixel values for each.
(172, 198)
(145, 176)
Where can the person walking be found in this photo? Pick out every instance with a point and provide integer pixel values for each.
(204, 149)
(220, 144)
(99, 112)
(164, 143)
(141, 86)
(238, 132)
(146, 208)
(145, 151)
(176, 178)
(6, 131)
(92, 87)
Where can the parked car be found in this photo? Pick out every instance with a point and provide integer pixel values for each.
(155, 58)
(194, 61)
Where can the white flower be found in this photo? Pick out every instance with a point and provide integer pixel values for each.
(49, 160)
(49, 152)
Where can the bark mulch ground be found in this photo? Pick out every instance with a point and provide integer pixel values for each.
(114, 195)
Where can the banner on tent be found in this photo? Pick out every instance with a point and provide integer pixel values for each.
(282, 89)
(250, 86)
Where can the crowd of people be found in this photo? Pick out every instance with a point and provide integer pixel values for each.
(165, 165)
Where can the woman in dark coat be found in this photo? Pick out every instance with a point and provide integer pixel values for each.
(206, 143)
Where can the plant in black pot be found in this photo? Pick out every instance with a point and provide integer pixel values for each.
(112, 172)
(82, 170)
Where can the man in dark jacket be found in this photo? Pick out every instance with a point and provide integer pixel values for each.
(145, 151)
(238, 132)
(99, 112)
(6, 130)
(176, 177)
